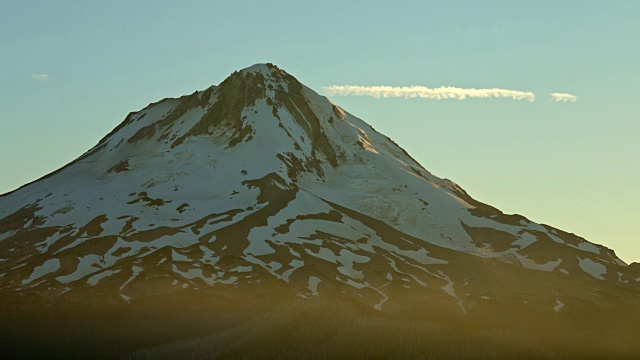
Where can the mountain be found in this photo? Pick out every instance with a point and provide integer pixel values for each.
(261, 188)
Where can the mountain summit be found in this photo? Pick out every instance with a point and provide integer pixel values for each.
(261, 185)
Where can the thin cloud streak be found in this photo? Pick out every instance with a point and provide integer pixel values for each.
(443, 92)
(40, 77)
(561, 97)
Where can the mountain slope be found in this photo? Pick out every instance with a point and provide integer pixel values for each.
(260, 184)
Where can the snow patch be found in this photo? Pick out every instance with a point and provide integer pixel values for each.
(242, 269)
(295, 264)
(135, 271)
(530, 264)
(313, 284)
(47, 267)
(449, 287)
(85, 267)
(93, 281)
(586, 246)
(176, 256)
(592, 268)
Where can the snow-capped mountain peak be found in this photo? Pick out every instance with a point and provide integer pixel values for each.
(260, 179)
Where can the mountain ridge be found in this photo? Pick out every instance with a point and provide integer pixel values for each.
(261, 191)
(220, 112)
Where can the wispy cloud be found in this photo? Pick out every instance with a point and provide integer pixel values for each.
(443, 92)
(40, 77)
(560, 97)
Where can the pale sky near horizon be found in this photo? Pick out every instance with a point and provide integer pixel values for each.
(70, 71)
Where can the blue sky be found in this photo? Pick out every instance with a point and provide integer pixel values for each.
(70, 71)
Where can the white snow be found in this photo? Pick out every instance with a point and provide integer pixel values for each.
(176, 256)
(135, 271)
(384, 299)
(313, 284)
(93, 281)
(620, 262)
(231, 280)
(351, 282)
(530, 264)
(7, 234)
(592, 268)
(294, 265)
(375, 178)
(242, 269)
(193, 273)
(525, 240)
(394, 266)
(274, 265)
(448, 288)
(620, 279)
(464, 311)
(258, 245)
(86, 266)
(347, 259)
(49, 266)
(586, 246)
(378, 306)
